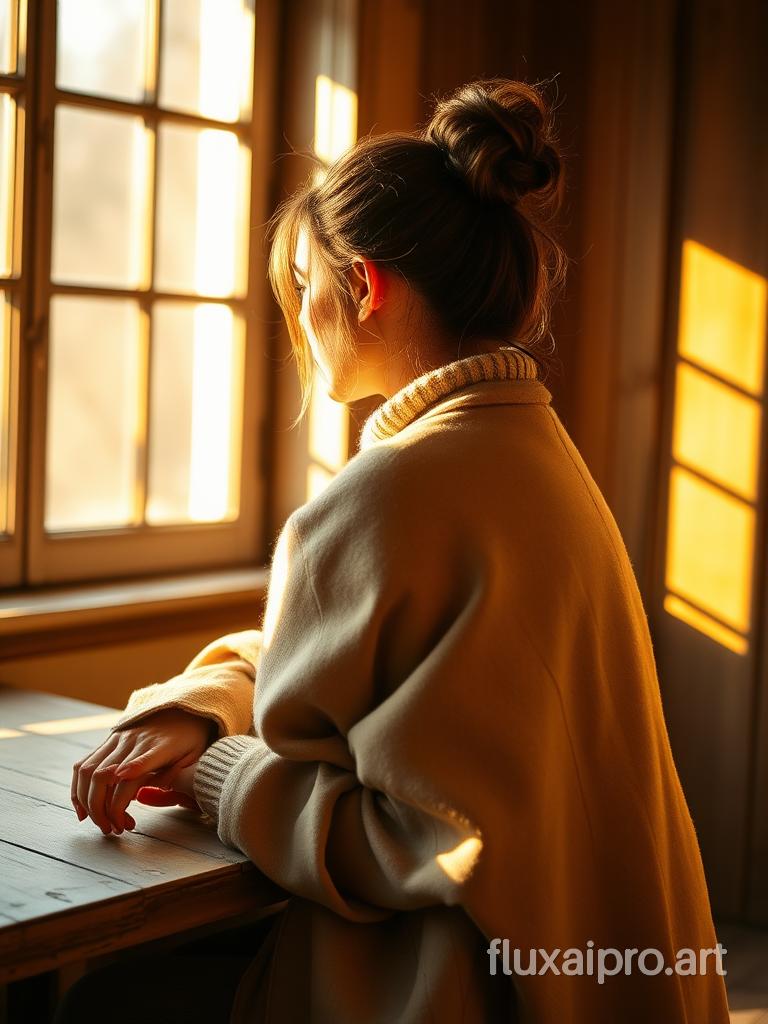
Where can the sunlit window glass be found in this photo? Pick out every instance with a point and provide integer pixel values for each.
(195, 413)
(99, 198)
(202, 212)
(9, 15)
(7, 181)
(207, 57)
(5, 396)
(101, 47)
(94, 406)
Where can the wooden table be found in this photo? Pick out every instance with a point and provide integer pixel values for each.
(68, 893)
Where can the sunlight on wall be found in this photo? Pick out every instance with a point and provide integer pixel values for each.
(335, 118)
(708, 417)
(709, 548)
(328, 430)
(715, 446)
(317, 480)
(690, 615)
(722, 317)
(328, 439)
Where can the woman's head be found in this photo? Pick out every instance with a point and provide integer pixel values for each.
(446, 228)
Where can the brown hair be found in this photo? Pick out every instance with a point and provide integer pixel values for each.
(461, 208)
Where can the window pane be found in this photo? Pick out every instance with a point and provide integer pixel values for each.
(7, 181)
(207, 59)
(5, 397)
(94, 402)
(99, 198)
(195, 413)
(8, 23)
(202, 212)
(101, 47)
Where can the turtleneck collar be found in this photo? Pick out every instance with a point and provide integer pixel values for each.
(407, 404)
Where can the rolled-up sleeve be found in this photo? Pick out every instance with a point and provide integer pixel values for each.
(217, 684)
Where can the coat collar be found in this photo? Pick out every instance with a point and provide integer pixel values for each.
(458, 383)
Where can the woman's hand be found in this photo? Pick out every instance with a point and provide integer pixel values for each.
(153, 751)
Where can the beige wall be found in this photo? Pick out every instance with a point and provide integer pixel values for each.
(108, 673)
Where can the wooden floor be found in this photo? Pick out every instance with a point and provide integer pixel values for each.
(747, 979)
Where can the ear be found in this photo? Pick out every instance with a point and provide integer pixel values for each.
(368, 284)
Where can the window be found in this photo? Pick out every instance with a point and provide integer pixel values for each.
(132, 168)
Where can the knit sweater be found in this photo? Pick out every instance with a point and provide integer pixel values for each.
(449, 730)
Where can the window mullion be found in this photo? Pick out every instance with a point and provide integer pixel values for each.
(41, 72)
(151, 83)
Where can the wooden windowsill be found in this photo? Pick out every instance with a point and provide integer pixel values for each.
(43, 621)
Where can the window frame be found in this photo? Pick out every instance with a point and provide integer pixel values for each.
(21, 87)
(92, 555)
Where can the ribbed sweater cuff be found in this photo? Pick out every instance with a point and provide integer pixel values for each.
(214, 767)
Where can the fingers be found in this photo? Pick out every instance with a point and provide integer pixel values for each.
(100, 793)
(89, 783)
(141, 764)
(121, 794)
(105, 781)
(82, 769)
(118, 798)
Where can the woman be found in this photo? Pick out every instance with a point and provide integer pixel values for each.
(455, 761)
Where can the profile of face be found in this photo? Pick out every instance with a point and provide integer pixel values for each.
(307, 289)
(369, 369)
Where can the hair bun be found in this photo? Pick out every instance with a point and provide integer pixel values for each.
(496, 134)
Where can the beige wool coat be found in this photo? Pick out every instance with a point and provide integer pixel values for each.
(448, 730)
